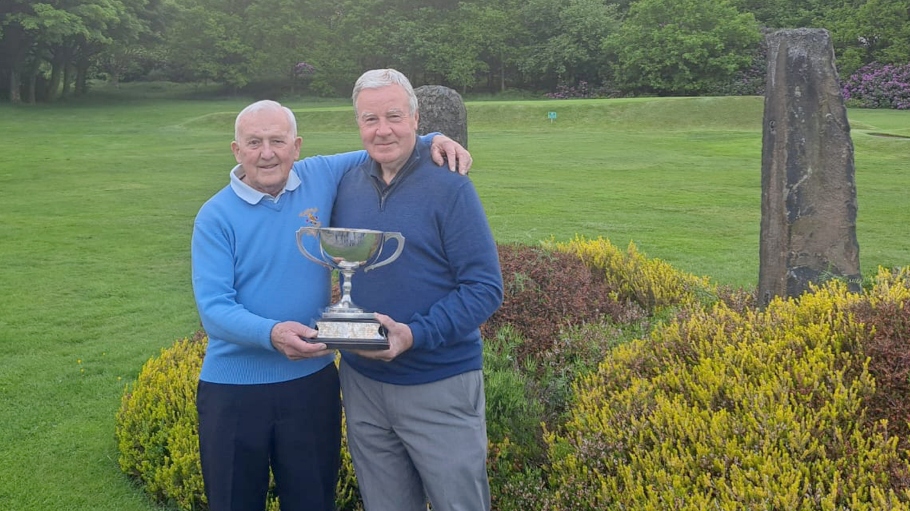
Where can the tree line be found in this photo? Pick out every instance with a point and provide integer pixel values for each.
(51, 48)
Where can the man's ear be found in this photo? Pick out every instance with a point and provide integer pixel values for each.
(235, 148)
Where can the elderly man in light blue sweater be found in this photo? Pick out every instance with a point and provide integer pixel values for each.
(268, 397)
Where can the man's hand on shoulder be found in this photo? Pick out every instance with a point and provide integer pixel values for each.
(289, 338)
(445, 150)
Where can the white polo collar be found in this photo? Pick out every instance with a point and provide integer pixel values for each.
(253, 196)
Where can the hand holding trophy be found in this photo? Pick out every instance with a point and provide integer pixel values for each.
(344, 325)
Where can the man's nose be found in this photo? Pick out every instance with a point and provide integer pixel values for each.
(385, 127)
(266, 152)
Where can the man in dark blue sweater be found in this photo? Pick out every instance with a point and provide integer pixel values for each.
(416, 419)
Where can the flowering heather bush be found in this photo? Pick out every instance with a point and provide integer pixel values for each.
(652, 283)
(798, 406)
(546, 291)
(747, 82)
(888, 319)
(879, 86)
(759, 409)
(750, 82)
(303, 69)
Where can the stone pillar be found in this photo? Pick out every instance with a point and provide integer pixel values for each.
(808, 202)
(442, 109)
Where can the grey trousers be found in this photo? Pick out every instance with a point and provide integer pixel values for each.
(414, 443)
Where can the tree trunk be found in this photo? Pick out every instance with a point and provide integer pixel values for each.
(82, 78)
(16, 45)
(67, 81)
(502, 73)
(32, 84)
(14, 95)
(53, 84)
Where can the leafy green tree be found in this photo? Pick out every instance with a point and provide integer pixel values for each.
(46, 32)
(455, 44)
(284, 33)
(452, 50)
(567, 40)
(387, 34)
(61, 36)
(51, 47)
(18, 45)
(777, 14)
(681, 47)
(206, 43)
(331, 53)
(501, 40)
(470, 44)
(874, 31)
(86, 31)
(136, 40)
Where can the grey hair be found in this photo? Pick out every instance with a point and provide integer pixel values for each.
(265, 104)
(377, 78)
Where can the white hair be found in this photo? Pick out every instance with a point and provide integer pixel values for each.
(265, 104)
(377, 78)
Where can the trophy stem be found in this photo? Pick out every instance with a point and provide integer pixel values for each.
(346, 301)
(345, 308)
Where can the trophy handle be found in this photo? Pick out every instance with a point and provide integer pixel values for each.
(386, 236)
(311, 231)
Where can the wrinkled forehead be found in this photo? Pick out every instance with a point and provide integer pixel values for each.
(265, 123)
(383, 100)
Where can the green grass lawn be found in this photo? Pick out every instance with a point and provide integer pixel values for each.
(97, 201)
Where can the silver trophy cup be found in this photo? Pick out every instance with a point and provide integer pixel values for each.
(344, 325)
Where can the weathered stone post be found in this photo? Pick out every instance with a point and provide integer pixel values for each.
(808, 202)
(442, 109)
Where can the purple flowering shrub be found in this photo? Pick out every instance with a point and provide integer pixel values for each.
(746, 82)
(879, 86)
(304, 69)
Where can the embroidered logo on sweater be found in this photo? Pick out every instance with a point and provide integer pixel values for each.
(310, 216)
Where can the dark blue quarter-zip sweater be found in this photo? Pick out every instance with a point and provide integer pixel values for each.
(446, 282)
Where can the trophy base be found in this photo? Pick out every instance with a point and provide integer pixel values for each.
(352, 334)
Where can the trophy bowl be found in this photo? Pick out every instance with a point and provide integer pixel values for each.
(344, 325)
(350, 245)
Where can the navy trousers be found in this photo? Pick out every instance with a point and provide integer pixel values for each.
(292, 427)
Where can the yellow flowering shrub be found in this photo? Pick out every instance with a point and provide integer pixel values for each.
(652, 283)
(157, 426)
(718, 409)
(158, 437)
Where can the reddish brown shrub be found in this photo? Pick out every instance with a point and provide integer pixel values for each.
(546, 291)
(888, 350)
